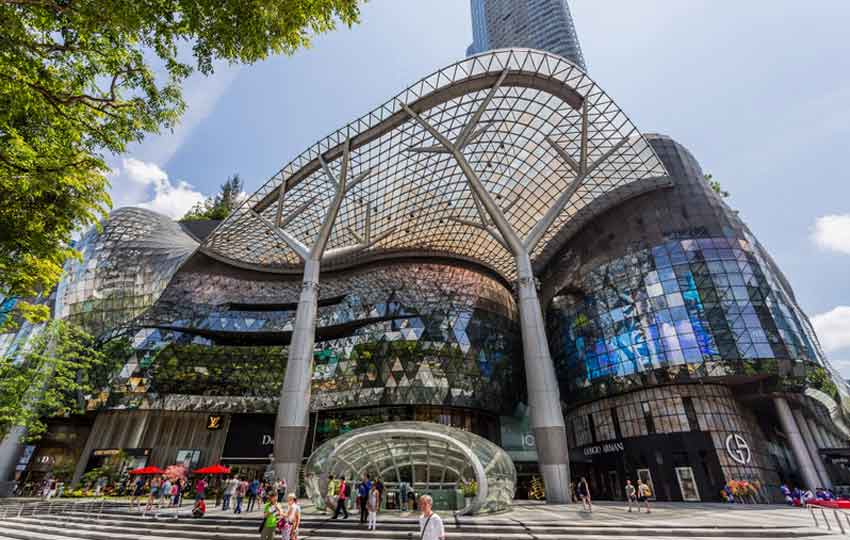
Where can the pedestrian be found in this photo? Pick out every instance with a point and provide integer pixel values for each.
(138, 489)
(229, 491)
(362, 494)
(584, 494)
(280, 487)
(404, 491)
(341, 497)
(380, 484)
(253, 491)
(153, 495)
(430, 524)
(241, 490)
(176, 490)
(271, 512)
(333, 488)
(643, 494)
(199, 509)
(373, 503)
(293, 518)
(200, 489)
(165, 492)
(630, 493)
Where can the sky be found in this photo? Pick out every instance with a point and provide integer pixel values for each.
(759, 91)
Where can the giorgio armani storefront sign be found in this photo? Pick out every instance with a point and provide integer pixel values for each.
(250, 438)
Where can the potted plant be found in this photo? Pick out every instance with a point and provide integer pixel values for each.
(469, 490)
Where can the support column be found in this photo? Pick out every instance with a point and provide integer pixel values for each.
(809, 439)
(293, 413)
(798, 447)
(10, 453)
(544, 396)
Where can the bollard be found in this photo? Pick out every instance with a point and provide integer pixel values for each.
(838, 519)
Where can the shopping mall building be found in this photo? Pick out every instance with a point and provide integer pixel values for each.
(496, 249)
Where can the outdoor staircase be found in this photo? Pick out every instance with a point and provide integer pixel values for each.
(115, 523)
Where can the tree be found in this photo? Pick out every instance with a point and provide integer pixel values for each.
(47, 380)
(80, 79)
(715, 185)
(218, 206)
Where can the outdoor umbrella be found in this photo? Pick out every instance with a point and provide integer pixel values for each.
(150, 469)
(214, 469)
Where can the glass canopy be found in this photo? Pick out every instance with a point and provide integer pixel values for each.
(425, 455)
(533, 125)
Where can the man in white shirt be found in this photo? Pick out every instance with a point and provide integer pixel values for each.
(430, 524)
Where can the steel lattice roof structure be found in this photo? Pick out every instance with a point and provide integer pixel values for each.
(545, 129)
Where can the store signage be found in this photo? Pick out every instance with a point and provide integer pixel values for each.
(106, 452)
(214, 422)
(738, 449)
(607, 448)
(249, 437)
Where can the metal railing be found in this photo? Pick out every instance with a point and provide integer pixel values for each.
(831, 518)
(53, 507)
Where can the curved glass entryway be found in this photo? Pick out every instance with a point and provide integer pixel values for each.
(429, 457)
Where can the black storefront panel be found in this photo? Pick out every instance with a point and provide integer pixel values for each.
(654, 458)
(250, 439)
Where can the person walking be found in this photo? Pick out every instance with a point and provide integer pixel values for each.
(165, 493)
(341, 496)
(404, 491)
(362, 495)
(584, 494)
(176, 491)
(380, 484)
(200, 489)
(271, 512)
(293, 518)
(373, 503)
(643, 494)
(253, 491)
(280, 487)
(229, 491)
(631, 493)
(138, 489)
(241, 490)
(430, 524)
(333, 489)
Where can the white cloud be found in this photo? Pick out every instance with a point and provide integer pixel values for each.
(833, 232)
(833, 328)
(145, 184)
(842, 365)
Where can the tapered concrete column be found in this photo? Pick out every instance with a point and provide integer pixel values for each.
(798, 446)
(544, 396)
(293, 413)
(812, 446)
(816, 433)
(10, 453)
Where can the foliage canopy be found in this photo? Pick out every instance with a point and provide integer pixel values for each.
(80, 79)
(50, 378)
(218, 206)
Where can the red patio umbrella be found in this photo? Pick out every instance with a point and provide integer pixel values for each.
(214, 469)
(145, 471)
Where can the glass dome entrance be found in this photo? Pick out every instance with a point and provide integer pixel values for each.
(425, 455)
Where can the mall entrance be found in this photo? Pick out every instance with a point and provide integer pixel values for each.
(461, 471)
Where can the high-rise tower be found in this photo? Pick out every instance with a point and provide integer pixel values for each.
(537, 24)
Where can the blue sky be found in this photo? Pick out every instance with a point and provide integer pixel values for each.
(759, 91)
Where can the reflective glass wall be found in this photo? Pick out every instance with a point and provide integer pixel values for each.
(672, 286)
